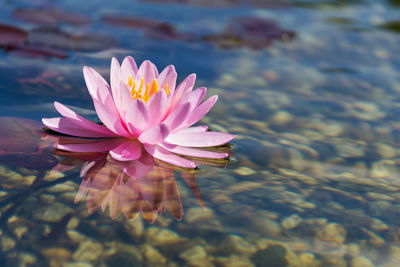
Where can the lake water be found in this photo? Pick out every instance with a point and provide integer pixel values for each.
(310, 87)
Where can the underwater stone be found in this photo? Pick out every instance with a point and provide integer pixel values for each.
(332, 233)
(134, 228)
(57, 254)
(361, 262)
(291, 222)
(379, 170)
(234, 261)
(244, 171)
(385, 151)
(195, 257)
(266, 227)
(152, 256)
(281, 118)
(234, 244)
(159, 237)
(88, 251)
(274, 255)
(6, 243)
(198, 214)
(77, 264)
(353, 250)
(52, 213)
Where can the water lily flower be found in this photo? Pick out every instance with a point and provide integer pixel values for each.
(147, 111)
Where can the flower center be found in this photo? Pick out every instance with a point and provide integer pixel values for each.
(144, 91)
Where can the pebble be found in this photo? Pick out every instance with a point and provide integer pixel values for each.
(158, 237)
(234, 261)
(56, 253)
(244, 171)
(385, 151)
(379, 170)
(291, 222)
(353, 250)
(361, 261)
(6, 243)
(266, 227)
(193, 254)
(379, 196)
(77, 264)
(51, 213)
(332, 129)
(198, 214)
(367, 111)
(88, 251)
(135, 227)
(235, 244)
(152, 256)
(332, 233)
(281, 118)
(244, 187)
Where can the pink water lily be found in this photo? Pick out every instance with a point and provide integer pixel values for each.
(148, 111)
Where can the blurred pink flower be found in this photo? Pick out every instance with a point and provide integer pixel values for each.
(148, 110)
(145, 186)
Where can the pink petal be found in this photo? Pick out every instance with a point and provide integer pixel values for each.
(157, 107)
(199, 139)
(189, 82)
(197, 96)
(164, 155)
(110, 117)
(193, 152)
(91, 146)
(70, 127)
(115, 79)
(97, 86)
(128, 67)
(167, 77)
(154, 135)
(137, 116)
(176, 96)
(129, 150)
(115, 75)
(81, 121)
(177, 117)
(148, 71)
(201, 128)
(199, 112)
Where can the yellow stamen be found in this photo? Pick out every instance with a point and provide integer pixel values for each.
(166, 89)
(130, 81)
(149, 88)
(141, 85)
(154, 87)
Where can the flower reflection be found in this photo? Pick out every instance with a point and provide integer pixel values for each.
(145, 186)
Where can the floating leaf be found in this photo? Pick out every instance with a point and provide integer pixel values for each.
(55, 38)
(18, 135)
(251, 32)
(49, 16)
(36, 52)
(12, 35)
(153, 28)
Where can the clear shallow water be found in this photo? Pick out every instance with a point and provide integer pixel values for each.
(314, 177)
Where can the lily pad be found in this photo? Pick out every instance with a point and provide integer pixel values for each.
(49, 16)
(12, 35)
